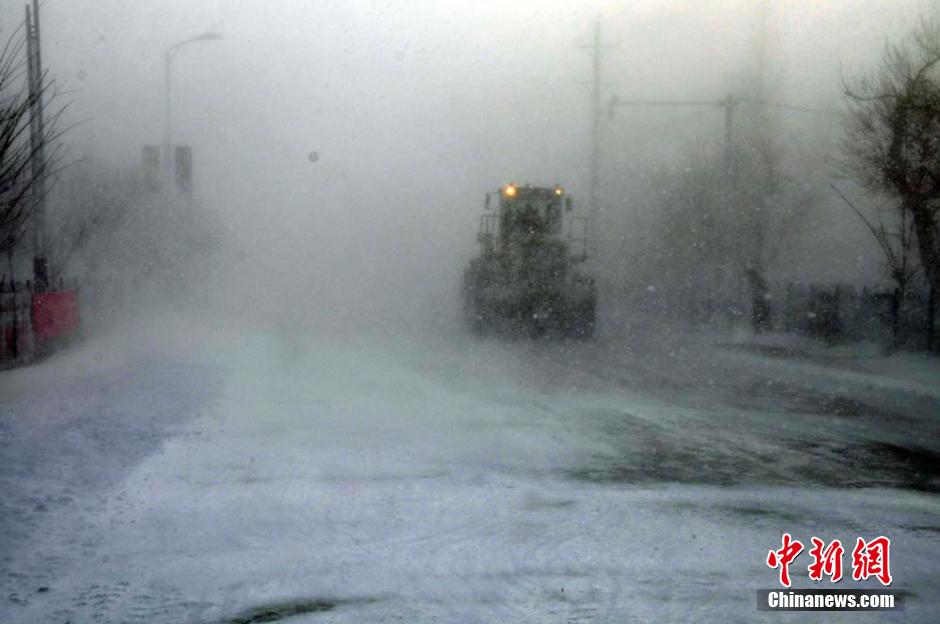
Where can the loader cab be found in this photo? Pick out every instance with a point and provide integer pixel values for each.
(529, 213)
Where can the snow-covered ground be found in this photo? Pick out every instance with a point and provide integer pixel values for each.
(642, 477)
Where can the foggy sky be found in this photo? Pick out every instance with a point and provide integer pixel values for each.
(415, 107)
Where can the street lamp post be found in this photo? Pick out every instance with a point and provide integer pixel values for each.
(168, 55)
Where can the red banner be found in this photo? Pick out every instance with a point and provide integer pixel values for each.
(55, 314)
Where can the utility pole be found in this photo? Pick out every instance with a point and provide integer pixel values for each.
(595, 120)
(596, 50)
(35, 84)
(167, 128)
(730, 162)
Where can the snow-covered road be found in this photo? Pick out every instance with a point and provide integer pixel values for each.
(452, 480)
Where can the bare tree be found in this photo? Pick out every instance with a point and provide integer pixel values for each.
(706, 236)
(90, 202)
(20, 176)
(892, 141)
(896, 240)
(770, 209)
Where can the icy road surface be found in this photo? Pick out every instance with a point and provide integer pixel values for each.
(634, 479)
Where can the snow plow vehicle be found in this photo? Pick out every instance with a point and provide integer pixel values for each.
(526, 279)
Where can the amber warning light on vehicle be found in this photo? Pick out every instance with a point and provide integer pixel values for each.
(510, 190)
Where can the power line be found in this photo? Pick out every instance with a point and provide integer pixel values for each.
(729, 104)
(790, 107)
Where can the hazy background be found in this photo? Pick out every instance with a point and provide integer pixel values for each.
(276, 389)
(417, 107)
